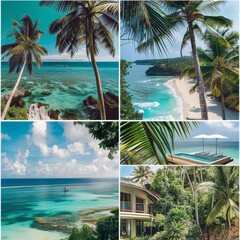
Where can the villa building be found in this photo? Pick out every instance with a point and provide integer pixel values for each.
(136, 212)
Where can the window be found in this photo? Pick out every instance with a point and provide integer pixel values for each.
(126, 202)
(125, 228)
(139, 228)
(139, 205)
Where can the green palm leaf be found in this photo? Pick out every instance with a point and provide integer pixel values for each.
(150, 140)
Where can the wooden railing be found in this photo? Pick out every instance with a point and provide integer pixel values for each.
(137, 207)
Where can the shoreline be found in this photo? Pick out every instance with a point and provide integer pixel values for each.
(190, 102)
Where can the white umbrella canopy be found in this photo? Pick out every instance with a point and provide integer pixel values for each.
(217, 136)
(203, 136)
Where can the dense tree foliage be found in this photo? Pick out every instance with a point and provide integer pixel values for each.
(106, 229)
(127, 110)
(213, 192)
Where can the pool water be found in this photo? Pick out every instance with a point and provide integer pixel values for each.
(198, 158)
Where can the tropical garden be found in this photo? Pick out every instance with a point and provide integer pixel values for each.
(152, 24)
(195, 202)
(85, 23)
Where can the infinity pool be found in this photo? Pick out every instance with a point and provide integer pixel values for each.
(198, 158)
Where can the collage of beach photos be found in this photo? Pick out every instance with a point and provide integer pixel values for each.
(119, 120)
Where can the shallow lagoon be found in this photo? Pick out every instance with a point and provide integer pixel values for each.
(22, 203)
(63, 85)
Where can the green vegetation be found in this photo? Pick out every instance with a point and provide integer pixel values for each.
(106, 132)
(24, 51)
(89, 23)
(193, 15)
(220, 66)
(15, 113)
(127, 110)
(169, 66)
(106, 228)
(149, 142)
(195, 201)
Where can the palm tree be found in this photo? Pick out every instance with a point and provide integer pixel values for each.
(145, 23)
(142, 174)
(192, 13)
(24, 51)
(148, 142)
(225, 186)
(88, 23)
(219, 62)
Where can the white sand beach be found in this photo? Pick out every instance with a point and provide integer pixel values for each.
(190, 102)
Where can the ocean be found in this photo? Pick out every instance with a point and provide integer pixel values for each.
(39, 209)
(228, 148)
(63, 85)
(155, 98)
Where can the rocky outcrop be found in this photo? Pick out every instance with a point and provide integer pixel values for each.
(37, 111)
(54, 114)
(21, 92)
(111, 105)
(91, 102)
(20, 103)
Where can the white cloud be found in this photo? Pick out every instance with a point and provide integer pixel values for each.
(77, 147)
(75, 168)
(79, 56)
(5, 136)
(17, 167)
(222, 126)
(39, 133)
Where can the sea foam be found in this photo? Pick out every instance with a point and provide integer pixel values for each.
(147, 104)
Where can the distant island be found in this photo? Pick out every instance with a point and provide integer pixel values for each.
(166, 66)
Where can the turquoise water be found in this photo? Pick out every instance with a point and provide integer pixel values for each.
(197, 158)
(155, 98)
(67, 83)
(228, 148)
(24, 202)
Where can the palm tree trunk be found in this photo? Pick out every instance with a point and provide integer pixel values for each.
(99, 88)
(201, 88)
(96, 72)
(14, 90)
(223, 103)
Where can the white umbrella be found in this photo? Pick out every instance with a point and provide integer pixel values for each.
(216, 136)
(203, 136)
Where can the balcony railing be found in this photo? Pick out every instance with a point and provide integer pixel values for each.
(137, 207)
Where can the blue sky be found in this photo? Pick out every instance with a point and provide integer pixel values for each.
(229, 10)
(229, 129)
(126, 171)
(50, 149)
(17, 9)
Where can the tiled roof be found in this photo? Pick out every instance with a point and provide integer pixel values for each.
(152, 195)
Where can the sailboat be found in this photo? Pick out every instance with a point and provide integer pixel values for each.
(65, 189)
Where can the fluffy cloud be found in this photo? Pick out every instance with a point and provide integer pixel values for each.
(75, 168)
(5, 136)
(39, 133)
(223, 126)
(39, 138)
(18, 166)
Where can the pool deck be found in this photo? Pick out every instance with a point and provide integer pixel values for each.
(183, 161)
